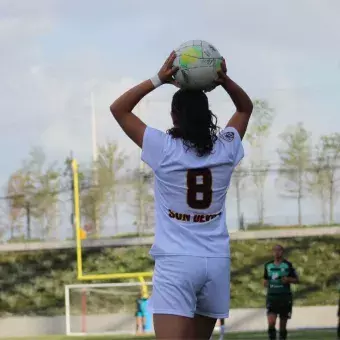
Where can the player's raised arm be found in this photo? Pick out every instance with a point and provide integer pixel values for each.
(122, 107)
(243, 103)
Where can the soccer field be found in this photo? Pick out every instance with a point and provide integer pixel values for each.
(301, 335)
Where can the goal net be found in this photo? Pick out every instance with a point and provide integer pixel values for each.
(104, 308)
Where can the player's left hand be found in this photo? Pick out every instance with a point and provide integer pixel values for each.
(285, 279)
(167, 71)
(221, 77)
(222, 74)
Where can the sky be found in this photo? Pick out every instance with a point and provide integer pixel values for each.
(54, 53)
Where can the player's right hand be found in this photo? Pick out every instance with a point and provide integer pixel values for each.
(167, 71)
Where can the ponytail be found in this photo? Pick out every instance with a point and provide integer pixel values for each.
(194, 123)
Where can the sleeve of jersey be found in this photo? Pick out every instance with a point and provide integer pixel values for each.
(153, 147)
(292, 272)
(233, 142)
(265, 274)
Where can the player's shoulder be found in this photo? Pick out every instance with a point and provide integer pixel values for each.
(154, 133)
(268, 263)
(158, 136)
(229, 134)
(290, 264)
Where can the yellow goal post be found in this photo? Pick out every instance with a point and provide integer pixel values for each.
(79, 235)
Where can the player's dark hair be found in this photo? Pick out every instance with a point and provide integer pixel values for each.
(280, 246)
(193, 122)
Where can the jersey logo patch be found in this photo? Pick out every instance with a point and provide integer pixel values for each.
(275, 276)
(229, 136)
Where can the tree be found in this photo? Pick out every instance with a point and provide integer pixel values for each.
(44, 179)
(295, 159)
(110, 162)
(318, 183)
(16, 202)
(257, 135)
(238, 182)
(34, 188)
(100, 187)
(91, 204)
(325, 179)
(3, 222)
(143, 206)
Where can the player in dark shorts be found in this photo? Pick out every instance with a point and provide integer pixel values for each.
(279, 274)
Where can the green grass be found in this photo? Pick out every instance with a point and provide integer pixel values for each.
(32, 283)
(298, 335)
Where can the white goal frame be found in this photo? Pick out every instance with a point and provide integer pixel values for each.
(93, 285)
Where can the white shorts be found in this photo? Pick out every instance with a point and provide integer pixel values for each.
(189, 285)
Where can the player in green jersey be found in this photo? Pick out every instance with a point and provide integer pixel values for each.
(279, 274)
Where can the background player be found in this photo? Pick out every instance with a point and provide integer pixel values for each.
(279, 274)
(193, 164)
(141, 310)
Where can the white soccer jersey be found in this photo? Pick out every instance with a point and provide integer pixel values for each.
(190, 193)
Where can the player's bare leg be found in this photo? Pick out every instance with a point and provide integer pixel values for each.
(143, 324)
(204, 327)
(173, 327)
(283, 328)
(222, 329)
(139, 325)
(220, 323)
(271, 326)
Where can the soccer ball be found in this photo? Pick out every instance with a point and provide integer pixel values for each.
(198, 63)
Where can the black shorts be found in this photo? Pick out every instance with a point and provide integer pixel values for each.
(280, 306)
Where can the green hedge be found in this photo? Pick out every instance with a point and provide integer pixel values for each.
(33, 283)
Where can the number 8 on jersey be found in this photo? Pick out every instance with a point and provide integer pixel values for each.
(199, 188)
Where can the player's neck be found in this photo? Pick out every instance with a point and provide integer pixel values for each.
(278, 261)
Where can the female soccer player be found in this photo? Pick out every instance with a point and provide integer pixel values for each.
(279, 274)
(192, 164)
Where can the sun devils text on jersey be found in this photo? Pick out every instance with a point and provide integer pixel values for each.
(190, 193)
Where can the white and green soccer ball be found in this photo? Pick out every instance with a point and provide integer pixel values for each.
(198, 63)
